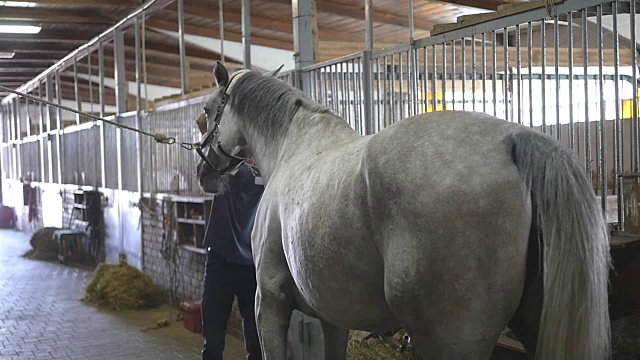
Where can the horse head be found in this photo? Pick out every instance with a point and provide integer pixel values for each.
(223, 147)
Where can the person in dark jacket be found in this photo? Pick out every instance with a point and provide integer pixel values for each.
(230, 272)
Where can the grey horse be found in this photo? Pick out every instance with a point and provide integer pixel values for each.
(452, 225)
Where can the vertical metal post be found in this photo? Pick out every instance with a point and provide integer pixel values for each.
(556, 44)
(367, 71)
(59, 126)
(587, 130)
(506, 79)
(76, 88)
(41, 118)
(138, 102)
(368, 18)
(603, 129)
(102, 113)
(49, 117)
(304, 41)
(618, 146)
(181, 44)
(121, 93)
(634, 76)
(221, 25)
(572, 131)
(246, 26)
(543, 81)
(120, 72)
(519, 72)
(48, 87)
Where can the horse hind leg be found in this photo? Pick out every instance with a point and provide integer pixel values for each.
(335, 341)
(525, 323)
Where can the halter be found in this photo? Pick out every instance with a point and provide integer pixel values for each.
(234, 161)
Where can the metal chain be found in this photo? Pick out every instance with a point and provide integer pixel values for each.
(160, 138)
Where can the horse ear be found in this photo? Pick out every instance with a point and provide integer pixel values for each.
(220, 74)
(274, 72)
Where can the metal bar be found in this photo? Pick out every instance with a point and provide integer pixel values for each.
(347, 87)
(49, 91)
(59, 126)
(634, 71)
(138, 121)
(556, 44)
(473, 73)
(603, 131)
(425, 79)
(444, 76)
(103, 171)
(90, 75)
(506, 78)
(484, 73)
(530, 56)
(543, 47)
(120, 72)
(84, 49)
(587, 132)
(367, 92)
(572, 130)
(368, 18)
(221, 26)
(453, 76)
(519, 73)
(618, 144)
(401, 102)
(393, 90)
(495, 71)
(41, 140)
(246, 32)
(76, 88)
(101, 78)
(386, 107)
(434, 91)
(464, 74)
(379, 97)
(181, 44)
(411, 28)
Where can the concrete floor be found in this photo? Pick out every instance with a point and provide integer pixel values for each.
(42, 317)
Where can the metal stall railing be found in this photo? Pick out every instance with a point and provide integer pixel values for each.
(337, 84)
(173, 170)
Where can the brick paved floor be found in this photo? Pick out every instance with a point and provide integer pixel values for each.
(41, 317)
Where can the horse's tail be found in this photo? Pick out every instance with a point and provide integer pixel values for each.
(574, 323)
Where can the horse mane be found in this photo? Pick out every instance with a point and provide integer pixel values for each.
(268, 104)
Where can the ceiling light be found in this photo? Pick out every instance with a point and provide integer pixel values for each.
(6, 54)
(20, 29)
(23, 4)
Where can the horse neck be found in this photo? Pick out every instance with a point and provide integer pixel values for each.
(308, 132)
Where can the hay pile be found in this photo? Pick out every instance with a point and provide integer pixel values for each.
(43, 245)
(375, 349)
(122, 287)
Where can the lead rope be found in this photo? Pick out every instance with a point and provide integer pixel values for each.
(160, 138)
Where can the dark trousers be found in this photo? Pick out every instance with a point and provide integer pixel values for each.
(222, 282)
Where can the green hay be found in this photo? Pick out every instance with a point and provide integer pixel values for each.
(122, 287)
(43, 245)
(375, 349)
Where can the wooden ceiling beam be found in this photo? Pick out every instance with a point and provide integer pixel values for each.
(132, 3)
(171, 45)
(10, 45)
(356, 12)
(483, 4)
(285, 27)
(214, 33)
(54, 16)
(48, 36)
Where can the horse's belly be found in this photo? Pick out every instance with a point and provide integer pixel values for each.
(343, 284)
